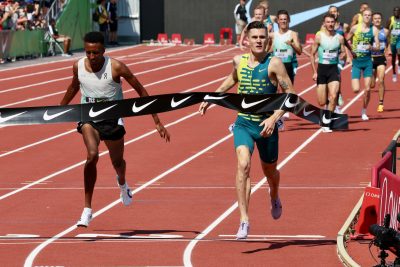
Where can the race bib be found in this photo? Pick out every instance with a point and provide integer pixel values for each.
(396, 32)
(363, 48)
(283, 53)
(329, 54)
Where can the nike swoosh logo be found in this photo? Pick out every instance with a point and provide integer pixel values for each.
(261, 70)
(208, 97)
(48, 117)
(136, 109)
(93, 114)
(10, 117)
(306, 113)
(249, 105)
(177, 103)
(288, 104)
(327, 121)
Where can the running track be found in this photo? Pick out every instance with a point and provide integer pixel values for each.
(184, 210)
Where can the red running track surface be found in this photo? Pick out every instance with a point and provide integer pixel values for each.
(184, 203)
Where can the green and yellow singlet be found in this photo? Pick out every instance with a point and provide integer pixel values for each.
(254, 81)
(362, 42)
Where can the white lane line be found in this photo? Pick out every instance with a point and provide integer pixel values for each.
(74, 130)
(69, 67)
(35, 64)
(160, 187)
(189, 249)
(29, 260)
(130, 64)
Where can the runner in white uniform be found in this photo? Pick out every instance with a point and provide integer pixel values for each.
(99, 79)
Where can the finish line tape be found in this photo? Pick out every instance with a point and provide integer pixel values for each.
(254, 104)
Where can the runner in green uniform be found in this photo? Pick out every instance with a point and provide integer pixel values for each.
(257, 73)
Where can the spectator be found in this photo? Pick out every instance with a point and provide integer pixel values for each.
(113, 22)
(241, 18)
(60, 38)
(103, 17)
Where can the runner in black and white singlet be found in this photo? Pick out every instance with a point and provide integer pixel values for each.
(98, 77)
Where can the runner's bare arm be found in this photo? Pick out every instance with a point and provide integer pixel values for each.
(121, 70)
(314, 48)
(227, 84)
(296, 43)
(73, 88)
(277, 73)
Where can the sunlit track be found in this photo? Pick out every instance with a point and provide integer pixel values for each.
(181, 187)
(130, 64)
(69, 67)
(146, 85)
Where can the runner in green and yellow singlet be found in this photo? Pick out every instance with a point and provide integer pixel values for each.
(257, 73)
(363, 36)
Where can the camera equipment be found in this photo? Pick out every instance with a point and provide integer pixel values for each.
(386, 238)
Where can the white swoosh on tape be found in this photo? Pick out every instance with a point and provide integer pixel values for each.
(93, 114)
(249, 105)
(48, 117)
(136, 109)
(326, 121)
(177, 103)
(289, 104)
(306, 113)
(10, 117)
(208, 97)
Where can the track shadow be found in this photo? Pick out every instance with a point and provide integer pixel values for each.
(156, 232)
(280, 244)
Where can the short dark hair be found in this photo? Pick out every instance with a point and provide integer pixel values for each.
(94, 37)
(377, 13)
(283, 12)
(328, 15)
(256, 25)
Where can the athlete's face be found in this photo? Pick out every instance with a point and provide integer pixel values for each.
(376, 20)
(258, 15)
(258, 40)
(333, 11)
(329, 23)
(95, 53)
(367, 16)
(396, 12)
(283, 21)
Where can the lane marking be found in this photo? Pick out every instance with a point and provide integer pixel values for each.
(29, 260)
(130, 64)
(150, 236)
(64, 68)
(188, 250)
(74, 130)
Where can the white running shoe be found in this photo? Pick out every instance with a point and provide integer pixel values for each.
(338, 110)
(394, 79)
(85, 219)
(126, 194)
(244, 228)
(326, 130)
(364, 117)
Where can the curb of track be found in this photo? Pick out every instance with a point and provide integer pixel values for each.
(344, 235)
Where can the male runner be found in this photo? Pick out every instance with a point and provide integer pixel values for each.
(257, 72)
(99, 79)
(363, 36)
(330, 47)
(379, 58)
(394, 27)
